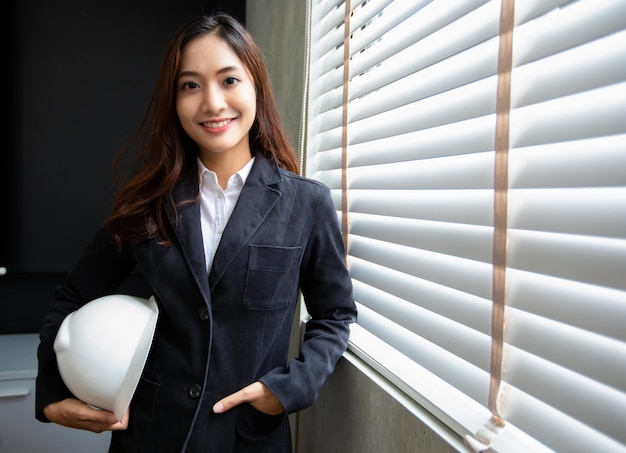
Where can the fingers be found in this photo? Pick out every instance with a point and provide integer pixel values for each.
(244, 395)
(74, 413)
(123, 423)
(257, 394)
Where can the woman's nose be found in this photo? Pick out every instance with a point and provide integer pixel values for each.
(214, 100)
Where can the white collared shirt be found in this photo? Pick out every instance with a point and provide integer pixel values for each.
(216, 205)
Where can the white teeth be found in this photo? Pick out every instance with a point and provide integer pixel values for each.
(216, 124)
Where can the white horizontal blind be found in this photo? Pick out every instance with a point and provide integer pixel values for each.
(420, 189)
(566, 318)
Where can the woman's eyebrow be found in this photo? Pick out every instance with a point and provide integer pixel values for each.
(229, 69)
(220, 71)
(188, 73)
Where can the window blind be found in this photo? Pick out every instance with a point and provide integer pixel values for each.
(414, 159)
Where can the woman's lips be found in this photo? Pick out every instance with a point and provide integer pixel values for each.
(217, 126)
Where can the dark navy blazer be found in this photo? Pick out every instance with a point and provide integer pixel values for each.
(218, 334)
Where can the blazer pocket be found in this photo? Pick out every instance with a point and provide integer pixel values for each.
(272, 277)
(255, 430)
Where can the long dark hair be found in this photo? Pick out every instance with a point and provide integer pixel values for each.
(167, 152)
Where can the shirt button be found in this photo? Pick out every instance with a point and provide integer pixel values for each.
(194, 391)
(203, 313)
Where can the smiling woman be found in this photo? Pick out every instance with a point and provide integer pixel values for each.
(228, 236)
(216, 104)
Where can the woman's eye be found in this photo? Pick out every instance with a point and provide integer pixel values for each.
(190, 85)
(230, 81)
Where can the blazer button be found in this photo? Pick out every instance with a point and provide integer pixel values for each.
(203, 313)
(194, 391)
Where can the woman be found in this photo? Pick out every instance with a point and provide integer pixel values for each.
(227, 235)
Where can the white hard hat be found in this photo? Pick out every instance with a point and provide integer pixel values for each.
(102, 348)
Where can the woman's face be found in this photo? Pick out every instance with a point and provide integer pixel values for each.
(215, 98)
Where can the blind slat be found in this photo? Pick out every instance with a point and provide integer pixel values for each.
(463, 137)
(594, 260)
(590, 114)
(574, 351)
(471, 101)
(560, 431)
(530, 292)
(551, 31)
(457, 372)
(472, 277)
(468, 171)
(419, 294)
(472, 242)
(593, 211)
(566, 392)
(396, 84)
(364, 13)
(473, 207)
(431, 20)
(594, 65)
(567, 164)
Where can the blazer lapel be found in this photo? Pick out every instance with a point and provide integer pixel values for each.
(188, 231)
(255, 202)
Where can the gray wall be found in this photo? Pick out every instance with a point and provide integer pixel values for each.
(356, 411)
(278, 26)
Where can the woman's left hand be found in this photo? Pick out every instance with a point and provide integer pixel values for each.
(257, 394)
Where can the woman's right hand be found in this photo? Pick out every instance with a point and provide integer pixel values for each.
(74, 413)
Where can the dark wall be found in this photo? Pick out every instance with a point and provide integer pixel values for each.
(81, 77)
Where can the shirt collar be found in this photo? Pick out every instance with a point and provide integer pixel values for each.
(240, 175)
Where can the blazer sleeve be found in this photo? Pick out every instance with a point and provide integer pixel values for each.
(99, 271)
(326, 287)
